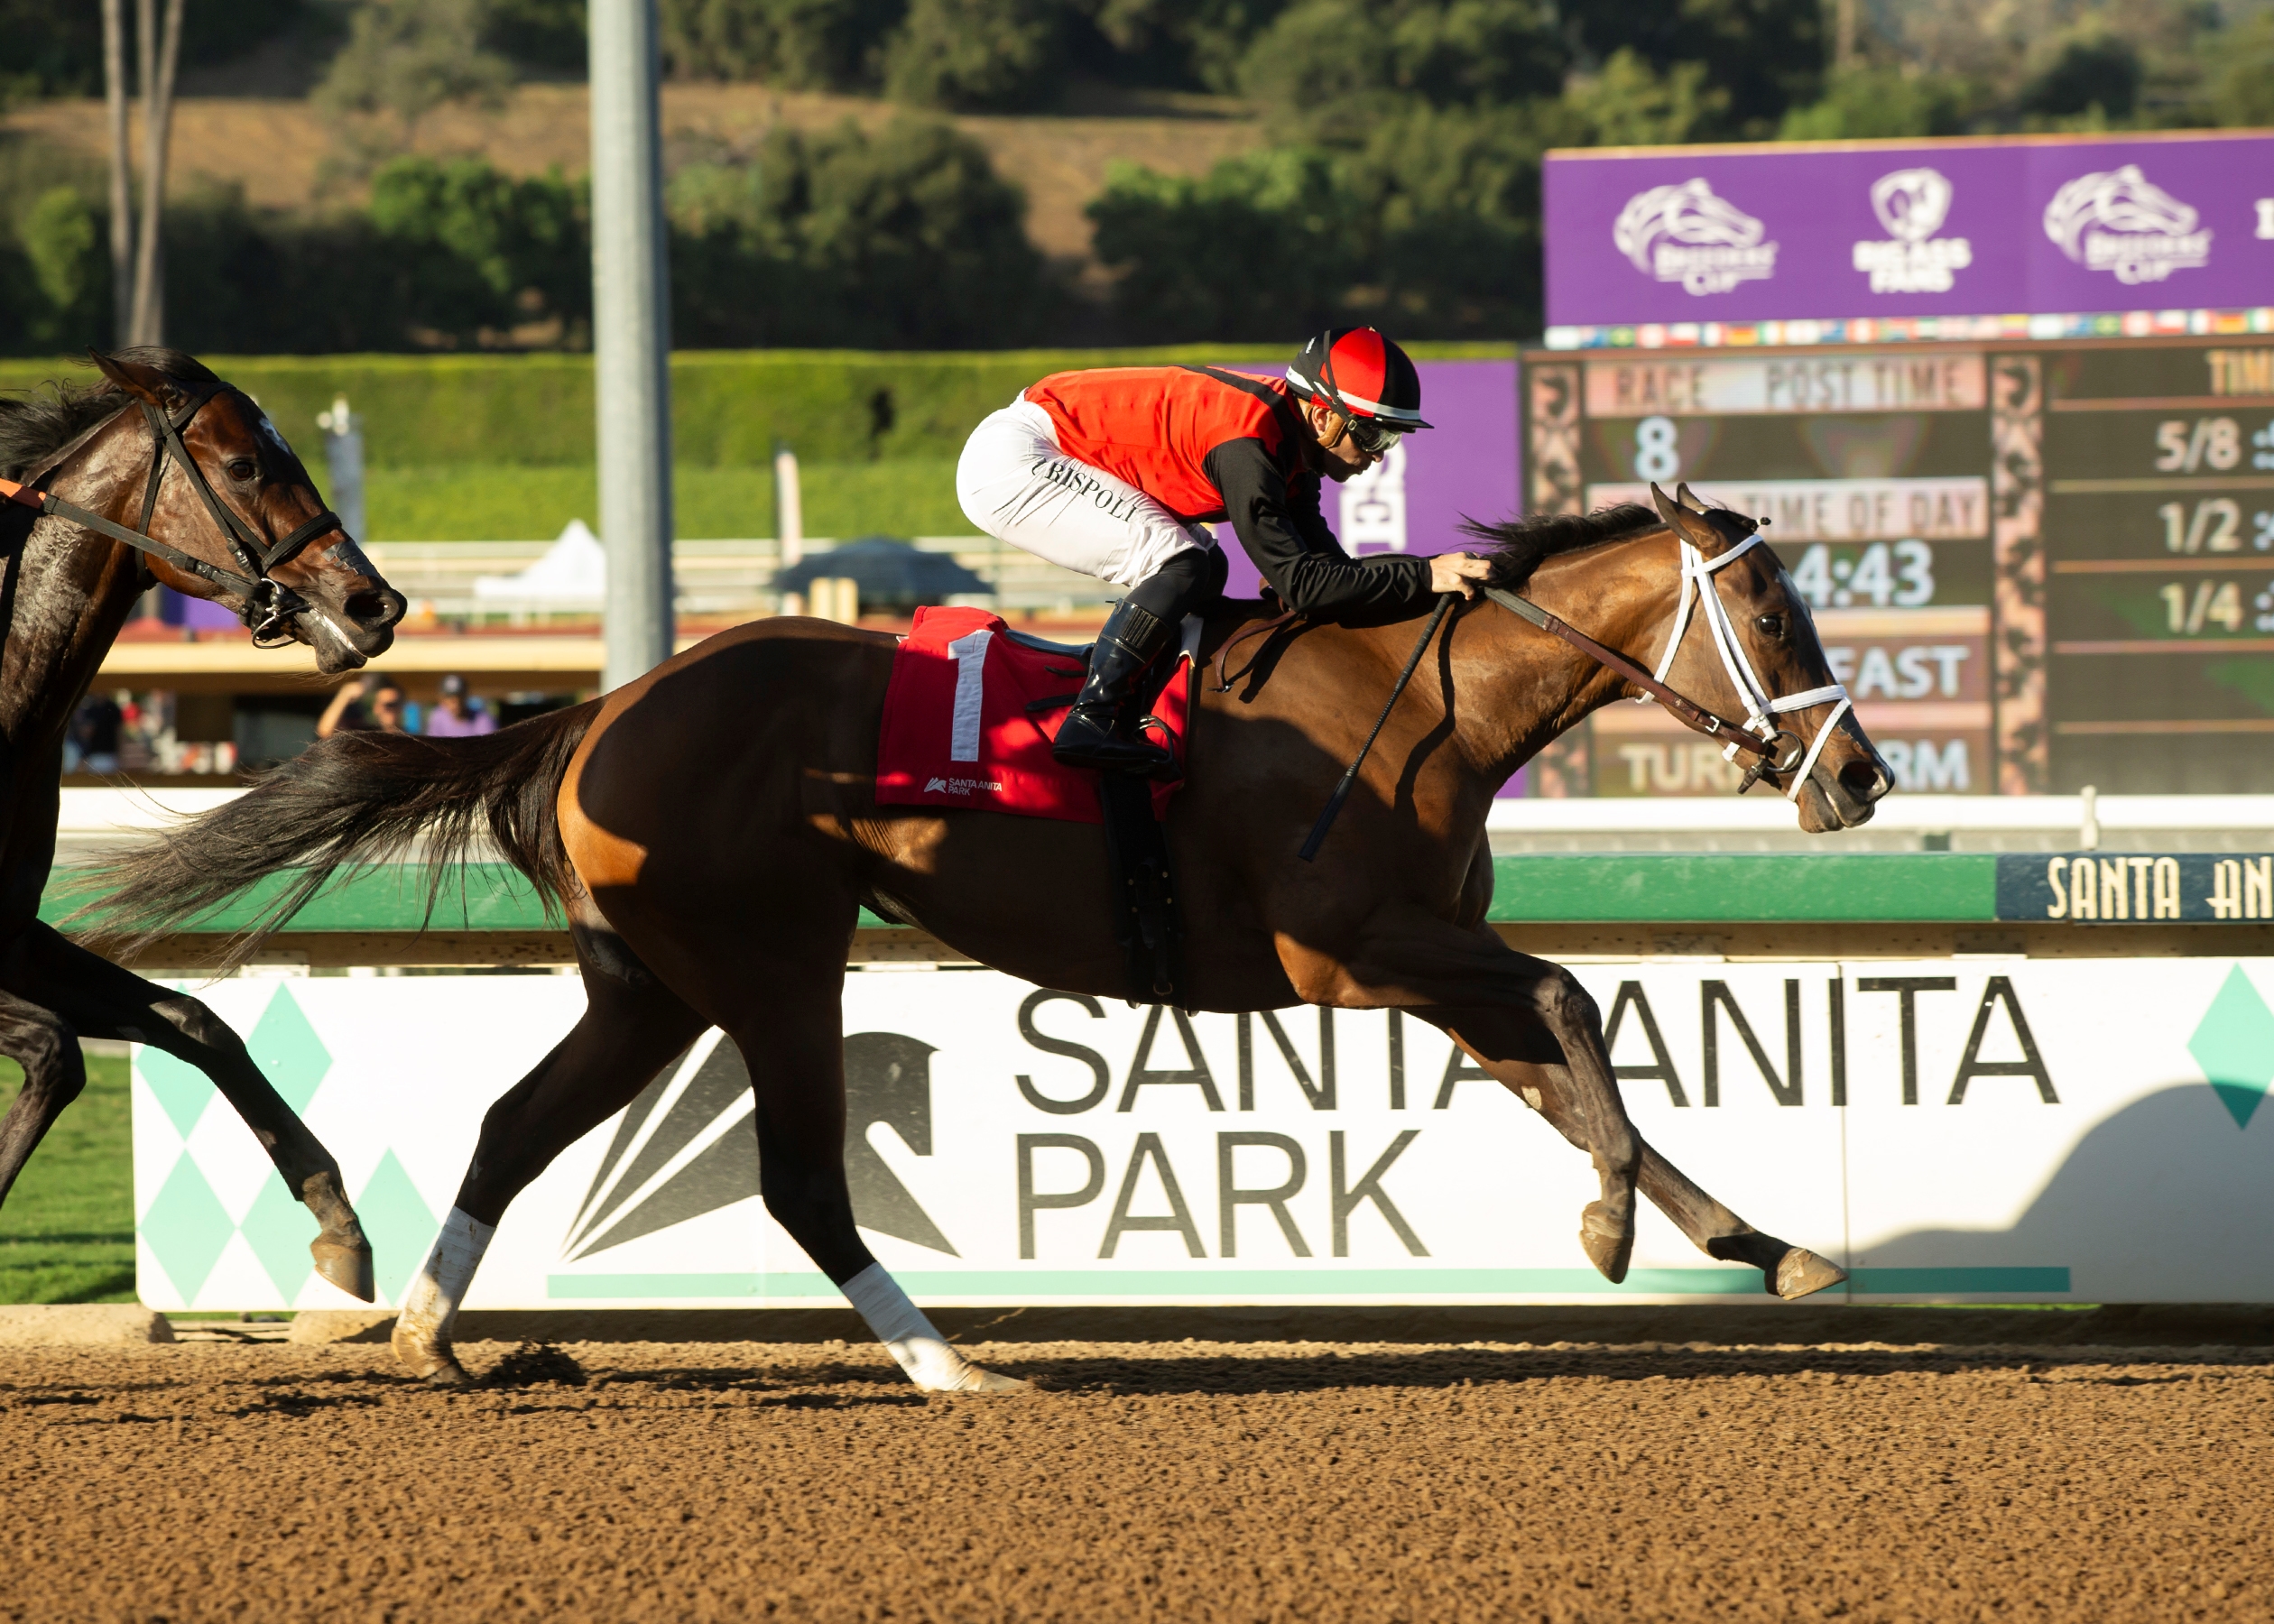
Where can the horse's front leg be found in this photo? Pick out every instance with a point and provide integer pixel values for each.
(99, 999)
(1787, 1271)
(1513, 1012)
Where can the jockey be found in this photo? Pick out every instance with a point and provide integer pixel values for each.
(1113, 472)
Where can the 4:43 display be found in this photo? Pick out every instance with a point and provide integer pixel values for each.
(1885, 574)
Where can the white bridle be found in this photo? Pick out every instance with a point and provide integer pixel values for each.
(1759, 709)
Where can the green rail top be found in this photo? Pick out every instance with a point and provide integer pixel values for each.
(1893, 887)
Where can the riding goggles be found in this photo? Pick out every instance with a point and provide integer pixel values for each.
(1372, 438)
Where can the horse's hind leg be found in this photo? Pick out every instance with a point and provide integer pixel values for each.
(630, 1029)
(99, 999)
(1546, 1085)
(792, 1039)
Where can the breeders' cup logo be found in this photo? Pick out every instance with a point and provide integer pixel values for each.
(1684, 234)
(2116, 221)
(1912, 205)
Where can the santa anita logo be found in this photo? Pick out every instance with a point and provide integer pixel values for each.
(1912, 205)
(2117, 221)
(1684, 234)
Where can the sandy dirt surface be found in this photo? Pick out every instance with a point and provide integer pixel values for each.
(1166, 1481)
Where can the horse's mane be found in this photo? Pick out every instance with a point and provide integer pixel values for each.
(1520, 545)
(37, 424)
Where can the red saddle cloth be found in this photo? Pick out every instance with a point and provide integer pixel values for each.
(958, 731)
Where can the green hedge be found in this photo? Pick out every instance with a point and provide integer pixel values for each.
(488, 501)
(729, 406)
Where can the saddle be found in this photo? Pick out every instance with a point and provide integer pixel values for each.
(970, 714)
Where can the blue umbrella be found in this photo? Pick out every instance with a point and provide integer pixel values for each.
(890, 574)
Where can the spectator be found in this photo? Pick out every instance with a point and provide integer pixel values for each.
(459, 714)
(369, 703)
(92, 743)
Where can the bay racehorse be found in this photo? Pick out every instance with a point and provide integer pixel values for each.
(159, 471)
(712, 831)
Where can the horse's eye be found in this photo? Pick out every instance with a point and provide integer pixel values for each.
(1771, 626)
(241, 468)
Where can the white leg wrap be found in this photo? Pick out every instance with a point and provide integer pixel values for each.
(432, 1302)
(912, 1341)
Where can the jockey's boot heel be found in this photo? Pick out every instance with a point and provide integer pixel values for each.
(1099, 731)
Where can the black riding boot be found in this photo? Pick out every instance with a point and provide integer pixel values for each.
(1100, 730)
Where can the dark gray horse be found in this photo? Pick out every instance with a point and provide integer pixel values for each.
(218, 506)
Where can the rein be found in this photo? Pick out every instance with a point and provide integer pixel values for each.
(268, 602)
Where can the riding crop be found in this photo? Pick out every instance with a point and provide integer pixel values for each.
(1350, 776)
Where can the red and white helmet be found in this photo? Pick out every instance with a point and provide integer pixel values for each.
(1364, 375)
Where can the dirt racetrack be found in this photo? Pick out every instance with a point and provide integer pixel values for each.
(1295, 1481)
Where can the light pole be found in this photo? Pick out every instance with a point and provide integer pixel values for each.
(631, 338)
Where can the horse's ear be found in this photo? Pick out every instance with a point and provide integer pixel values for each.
(1681, 520)
(145, 383)
(1682, 494)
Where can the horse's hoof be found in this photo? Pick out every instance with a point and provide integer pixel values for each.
(989, 1382)
(431, 1362)
(1608, 1243)
(346, 1264)
(1801, 1272)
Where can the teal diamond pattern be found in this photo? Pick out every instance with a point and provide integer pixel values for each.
(2234, 1044)
(186, 1227)
(278, 1229)
(285, 1046)
(181, 1090)
(398, 1223)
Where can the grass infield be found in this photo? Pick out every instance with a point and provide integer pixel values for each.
(67, 1233)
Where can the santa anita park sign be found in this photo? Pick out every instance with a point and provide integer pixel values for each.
(1968, 1129)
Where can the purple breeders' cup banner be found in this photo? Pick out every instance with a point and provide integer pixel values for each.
(1466, 467)
(2042, 225)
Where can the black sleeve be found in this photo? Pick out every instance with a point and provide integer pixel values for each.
(1286, 537)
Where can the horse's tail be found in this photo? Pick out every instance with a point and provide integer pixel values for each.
(348, 802)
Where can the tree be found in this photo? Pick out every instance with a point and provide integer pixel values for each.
(978, 55)
(903, 238)
(1632, 102)
(405, 58)
(1764, 55)
(1329, 70)
(477, 252)
(797, 44)
(2098, 71)
(2242, 86)
(61, 242)
(1262, 244)
(1885, 103)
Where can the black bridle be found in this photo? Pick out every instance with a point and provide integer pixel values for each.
(268, 602)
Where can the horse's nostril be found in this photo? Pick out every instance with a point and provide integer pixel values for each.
(1861, 779)
(376, 608)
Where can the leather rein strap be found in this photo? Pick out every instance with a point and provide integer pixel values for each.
(1690, 713)
(268, 602)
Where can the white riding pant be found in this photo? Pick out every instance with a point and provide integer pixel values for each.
(1018, 486)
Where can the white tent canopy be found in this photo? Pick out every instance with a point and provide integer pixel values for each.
(574, 570)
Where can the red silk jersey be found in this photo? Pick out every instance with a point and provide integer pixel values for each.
(1155, 426)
